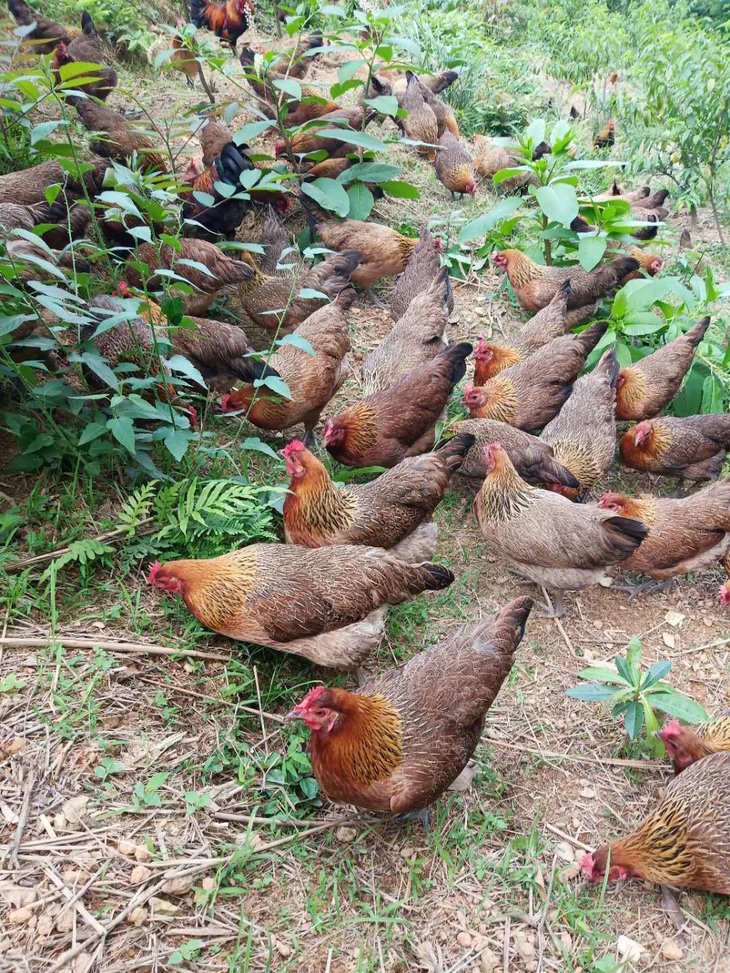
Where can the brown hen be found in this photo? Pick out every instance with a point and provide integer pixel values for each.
(416, 338)
(455, 167)
(693, 448)
(548, 539)
(398, 742)
(46, 34)
(535, 285)
(86, 48)
(688, 744)
(312, 378)
(114, 137)
(421, 269)
(684, 842)
(651, 383)
(583, 434)
(293, 598)
(420, 123)
(381, 513)
(528, 395)
(385, 428)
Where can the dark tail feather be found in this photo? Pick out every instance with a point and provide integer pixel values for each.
(550, 471)
(87, 24)
(515, 615)
(658, 199)
(616, 189)
(250, 369)
(457, 355)
(458, 445)
(609, 364)
(543, 148)
(438, 577)
(627, 534)
(314, 40)
(697, 333)
(21, 12)
(591, 336)
(624, 266)
(312, 213)
(346, 298)
(246, 57)
(197, 12)
(579, 225)
(231, 163)
(567, 288)
(647, 232)
(440, 82)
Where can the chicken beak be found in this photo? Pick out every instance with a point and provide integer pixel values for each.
(292, 715)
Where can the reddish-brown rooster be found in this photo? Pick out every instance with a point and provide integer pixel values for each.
(228, 20)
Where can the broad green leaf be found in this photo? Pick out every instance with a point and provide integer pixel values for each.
(385, 104)
(296, 341)
(656, 672)
(677, 704)
(370, 172)
(591, 692)
(504, 174)
(349, 69)
(250, 131)
(641, 323)
(535, 132)
(276, 384)
(558, 202)
(652, 726)
(91, 432)
(625, 671)
(599, 672)
(259, 446)
(290, 86)
(633, 654)
(713, 395)
(480, 226)
(329, 194)
(177, 441)
(634, 719)
(361, 202)
(99, 367)
(182, 365)
(400, 189)
(123, 431)
(361, 139)
(591, 250)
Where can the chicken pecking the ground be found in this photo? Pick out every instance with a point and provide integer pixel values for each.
(530, 394)
(648, 385)
(535, 285)
(607, 135)
(227, 19)
(381, 513)
(416, 338)
(532, 458)
(86, 49)
(551, 322)
(419, 124)
(686, 534)
(583, 434)
(688, 744)
(553, 542)
(684, 842)
(455, 167)
(404, 737)
(224, 215)
(293, 598)
(115, 137)
(691, 448)
(385, 428)
(27, 187)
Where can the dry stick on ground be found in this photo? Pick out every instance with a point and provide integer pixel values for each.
(123, 648)
(22, 820)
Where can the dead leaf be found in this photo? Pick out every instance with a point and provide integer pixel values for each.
(668, 639)
(163, 907)
(674, 619)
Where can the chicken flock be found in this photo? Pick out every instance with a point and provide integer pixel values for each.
(539, 443)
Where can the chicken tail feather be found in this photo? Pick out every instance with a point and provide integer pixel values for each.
(251, 369)
(609, 364)
(21, 12)
(697, 333)
(438, 577)
(626, 534)
(87, 24)
(514, 618)
(457, 355)
(197, 12)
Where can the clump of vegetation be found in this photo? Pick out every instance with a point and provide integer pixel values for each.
(638, 695)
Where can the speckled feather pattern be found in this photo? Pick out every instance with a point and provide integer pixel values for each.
(533, 459)
(693, 447)
(420, 271)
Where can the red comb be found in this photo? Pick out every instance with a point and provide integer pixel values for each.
(295, 446)
(588, 865)
(154, 571)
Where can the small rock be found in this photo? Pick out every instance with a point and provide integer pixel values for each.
(524, 947)
(671, 951)
(137, 916)
(30, 662)
(629, 950)
(59, 822)
(588, 793)
(74, 810)
(669, 640)
(163, 907)
(65, 921)
(282, 949)
(674, 618)
(707, 622)
(489, 961)
(18, 917)
(140, 873)
(17, 895)
(82, 963)
(142, 853)
(566, 941)
(598, 623)
(125, 847)
(464, 939)
(45, 925)
(176, 886)
(346, 835)
(565, 852)
(208, 884)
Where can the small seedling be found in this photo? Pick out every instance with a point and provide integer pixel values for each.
(145, 795)
(197, 801)
(637, 695)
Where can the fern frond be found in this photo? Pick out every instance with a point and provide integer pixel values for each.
(80, 552)
(136, 508)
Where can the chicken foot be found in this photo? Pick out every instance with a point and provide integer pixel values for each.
(375, 301)
(424, 816)
(643, 587)
(671, 908)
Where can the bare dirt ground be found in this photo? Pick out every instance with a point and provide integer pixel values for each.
(100, 872)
